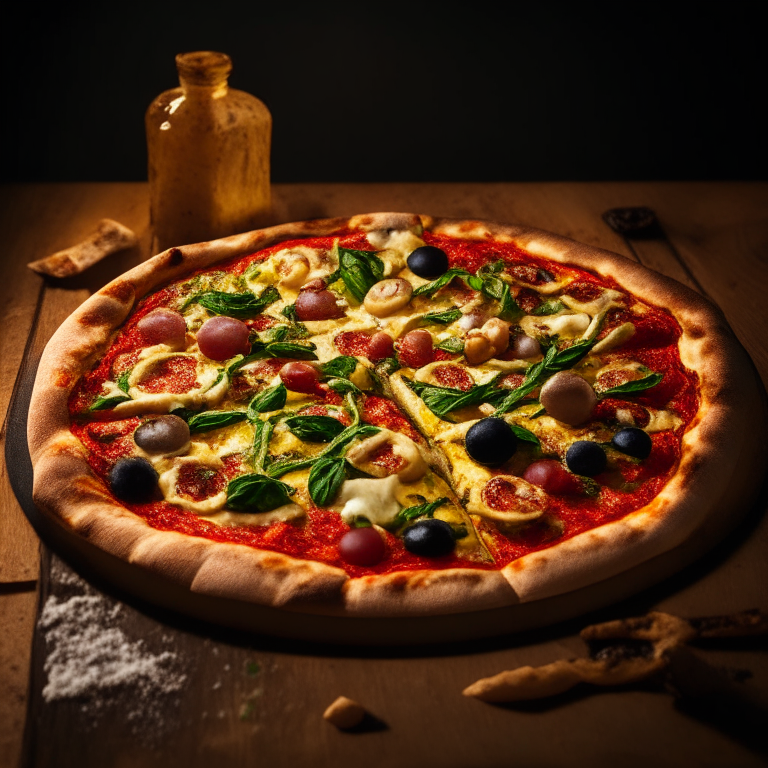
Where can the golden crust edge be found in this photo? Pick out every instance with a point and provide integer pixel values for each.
(526, 579)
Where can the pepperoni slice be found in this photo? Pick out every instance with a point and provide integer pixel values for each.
(453, 376)
(176, 375)
(197, 482)
(353, 343)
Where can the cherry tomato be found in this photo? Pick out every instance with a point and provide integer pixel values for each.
(380, 346)
(300, 377)
(223, 337)
(416, 349)
(317, 305)
(362, 546)
(552, 477)
(164, 326)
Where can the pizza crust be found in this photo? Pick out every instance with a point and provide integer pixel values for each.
(712, 485)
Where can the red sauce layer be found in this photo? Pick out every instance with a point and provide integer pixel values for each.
(316, 537)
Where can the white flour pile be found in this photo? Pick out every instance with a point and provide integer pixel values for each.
(90, 659)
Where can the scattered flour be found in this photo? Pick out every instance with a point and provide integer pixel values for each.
(90, 659)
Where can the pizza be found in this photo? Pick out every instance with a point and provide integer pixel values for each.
(393, 415)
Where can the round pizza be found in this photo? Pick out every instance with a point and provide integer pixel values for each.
(393, 415)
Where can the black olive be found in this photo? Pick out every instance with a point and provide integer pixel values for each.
(491, 441)
(133, 479)
(633, 442)
(428, 262)
(586, 458)
(429, 538)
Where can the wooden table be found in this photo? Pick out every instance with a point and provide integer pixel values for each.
(253, 700)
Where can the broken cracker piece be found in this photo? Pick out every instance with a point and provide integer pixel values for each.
(110, 237)
(344, 713)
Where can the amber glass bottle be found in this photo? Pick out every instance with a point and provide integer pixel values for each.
(208, 149)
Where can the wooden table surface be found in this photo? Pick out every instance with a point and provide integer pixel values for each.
(253, 700)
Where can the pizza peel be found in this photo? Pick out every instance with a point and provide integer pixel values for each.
(145, 590)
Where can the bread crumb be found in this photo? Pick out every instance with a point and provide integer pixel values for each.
(344, 713)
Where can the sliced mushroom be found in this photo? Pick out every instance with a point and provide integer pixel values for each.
(293, 269)
(388, 296)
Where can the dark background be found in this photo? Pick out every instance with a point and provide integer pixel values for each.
(402, 91)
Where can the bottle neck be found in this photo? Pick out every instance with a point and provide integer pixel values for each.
(197, 92)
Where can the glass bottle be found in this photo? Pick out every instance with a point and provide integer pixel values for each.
(208, 148)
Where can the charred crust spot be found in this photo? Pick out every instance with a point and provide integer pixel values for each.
(94, 317)
(62, 379)
(696, 331)
(613, 653)
(122, 291)
(175, 257)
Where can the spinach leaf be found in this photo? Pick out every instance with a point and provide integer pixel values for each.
(633, 387)
(340, 367)
(524, 434)
(315, 429)
(208, 420)
(103, 403)
(325, 480)
(454, 345)
(122, 381)
(271, 399)
(429, 289)
(441, 318)
(240, 305)
(442, 400)
(257, 493)
(422, 510)
(359, 271)
(551, 307)
(261, 350)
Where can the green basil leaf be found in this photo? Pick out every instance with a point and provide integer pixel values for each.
(122, 380)
(492, 269)
(208, 420)
(442, 400)
(551, 307)
(315, 429)
(272, 399)
(341, 367)
(441, 318)
(183, 413)
(240, 305)
(521, 433)
(289, 311)
(422, 510)
(429, 289)
(454, 345)
(387, 366)
(325, 480)
(257, 493)
(361, 522)
(343, 386)
(360, 270)
(103, 403)
(633, 387)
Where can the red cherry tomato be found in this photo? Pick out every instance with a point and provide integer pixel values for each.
(223, 337)
(552, 477)
(362, 546)
(416, 349)
(380, 346)
(317, 305)
(300, 377)
(164, 326)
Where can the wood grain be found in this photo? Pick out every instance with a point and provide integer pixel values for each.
(252, 700)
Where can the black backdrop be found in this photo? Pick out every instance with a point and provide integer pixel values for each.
(403, 91)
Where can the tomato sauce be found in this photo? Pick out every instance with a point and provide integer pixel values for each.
(631, 486)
